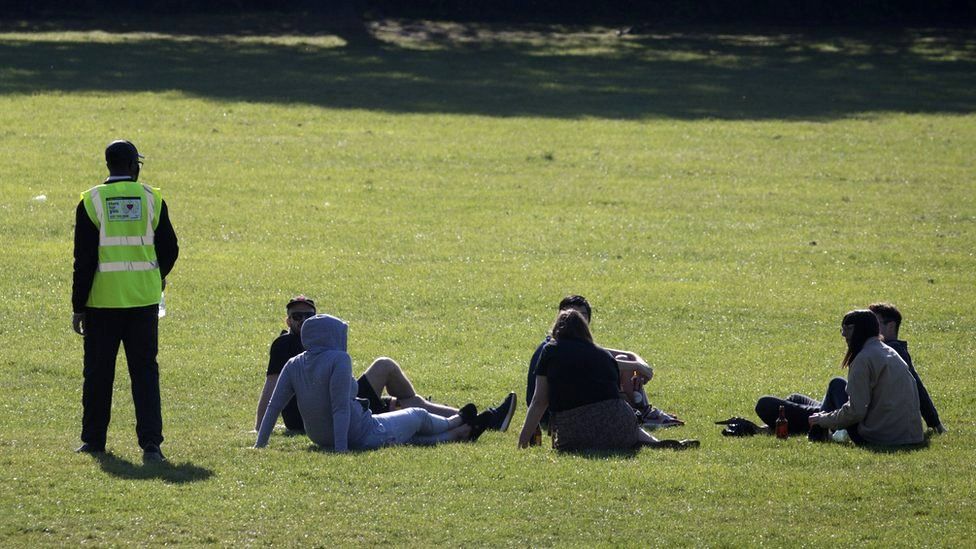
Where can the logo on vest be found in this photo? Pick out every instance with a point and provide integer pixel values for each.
(124, 209)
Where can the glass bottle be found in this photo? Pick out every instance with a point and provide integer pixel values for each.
(782, 426)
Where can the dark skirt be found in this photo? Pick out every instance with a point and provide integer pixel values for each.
(605, 425)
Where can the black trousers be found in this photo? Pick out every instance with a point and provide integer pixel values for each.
(137, 329)
(799, 407)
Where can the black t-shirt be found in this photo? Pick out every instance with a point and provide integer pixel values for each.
(284, 347)
(579, 373)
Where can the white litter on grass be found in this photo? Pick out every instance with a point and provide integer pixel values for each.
(40, 198)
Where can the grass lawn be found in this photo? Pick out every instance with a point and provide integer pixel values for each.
(722, 197)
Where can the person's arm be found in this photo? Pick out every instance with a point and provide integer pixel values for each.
(269, 385)
(629, 362)
(283, 392)
(279, 355)
(540, 403)
(530, 378)
(339, 390)
(167, 246)
(859, 397)
(85, 265)
(926, 406)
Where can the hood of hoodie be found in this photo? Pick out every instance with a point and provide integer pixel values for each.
(324, 333)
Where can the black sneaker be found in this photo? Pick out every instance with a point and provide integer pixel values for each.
(818, 434)
(468, 413)
(502, 416)
(152, 453)
(90, 449)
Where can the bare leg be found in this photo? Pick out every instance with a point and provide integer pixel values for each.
(418, 401)
(460, 433)
(450, 429)
(385, 373)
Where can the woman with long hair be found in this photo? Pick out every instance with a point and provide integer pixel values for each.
(579, 383)
(882, 397)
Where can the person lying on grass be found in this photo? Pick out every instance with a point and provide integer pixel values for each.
(321, 381)
(877, 404)
(579, 384)
(383, 374)
(632, 368)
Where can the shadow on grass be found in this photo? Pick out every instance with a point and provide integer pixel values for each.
(602, 454)
(492, 70)
(165, 471)
(904, 449)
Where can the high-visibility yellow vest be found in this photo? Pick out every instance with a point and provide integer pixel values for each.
(126, 214)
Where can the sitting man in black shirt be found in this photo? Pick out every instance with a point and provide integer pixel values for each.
(383, 374)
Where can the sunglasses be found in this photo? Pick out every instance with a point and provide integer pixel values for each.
(298, 317)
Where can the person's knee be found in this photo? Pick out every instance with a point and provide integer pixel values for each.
(837, 384)
(384, 365)
(767, 407)
(421, 417)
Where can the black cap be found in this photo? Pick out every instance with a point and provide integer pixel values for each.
(121, 151)
(300, 299)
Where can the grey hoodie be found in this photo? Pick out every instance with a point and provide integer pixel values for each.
(321, 381)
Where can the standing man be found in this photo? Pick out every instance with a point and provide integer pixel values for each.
(124, 248)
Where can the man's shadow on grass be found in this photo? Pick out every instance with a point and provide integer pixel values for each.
(166, 471)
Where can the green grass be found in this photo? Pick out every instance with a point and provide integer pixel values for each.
(721, 197)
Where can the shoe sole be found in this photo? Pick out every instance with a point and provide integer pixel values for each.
(511, 412)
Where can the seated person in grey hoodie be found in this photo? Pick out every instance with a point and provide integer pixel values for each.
(384, 374)
(321, 381)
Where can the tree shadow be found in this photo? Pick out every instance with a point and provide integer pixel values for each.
(166, 471)
(512, 71)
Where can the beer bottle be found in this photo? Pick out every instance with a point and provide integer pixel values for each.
(782, 426)
(636, 383)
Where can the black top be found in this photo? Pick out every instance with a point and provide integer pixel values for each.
(579, 373)
(86, 252)
(284, 347)
(530, 383)
(926, 406)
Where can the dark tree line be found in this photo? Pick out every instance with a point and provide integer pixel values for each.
(906, 12)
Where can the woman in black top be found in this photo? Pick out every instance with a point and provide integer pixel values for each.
(579, 383)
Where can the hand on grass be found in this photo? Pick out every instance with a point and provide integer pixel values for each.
(78, 323)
